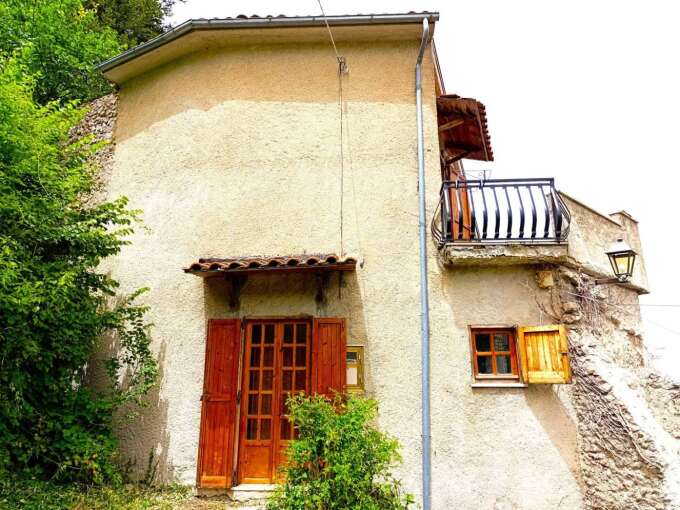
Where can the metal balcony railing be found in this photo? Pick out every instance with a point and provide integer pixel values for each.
(500, 211)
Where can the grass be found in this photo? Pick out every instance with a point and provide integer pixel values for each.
(21, 494)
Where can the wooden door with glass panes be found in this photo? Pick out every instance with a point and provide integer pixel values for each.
(276, 364)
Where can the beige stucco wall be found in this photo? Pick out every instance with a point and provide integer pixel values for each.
(235, 151)
(592, 233)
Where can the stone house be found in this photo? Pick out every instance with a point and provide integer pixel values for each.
(279, 188)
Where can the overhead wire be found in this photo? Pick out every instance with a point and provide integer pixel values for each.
(342, 69)
(330, 34)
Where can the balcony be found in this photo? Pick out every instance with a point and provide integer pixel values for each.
(501, 221)
(499, 211)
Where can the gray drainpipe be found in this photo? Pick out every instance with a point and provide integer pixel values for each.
(424, 300)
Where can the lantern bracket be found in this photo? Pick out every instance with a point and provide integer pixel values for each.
(603, 281)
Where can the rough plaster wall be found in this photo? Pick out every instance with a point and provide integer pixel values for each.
(221, 167)
(592, 233)
(627, 438)
(494, 448)
(663, 396)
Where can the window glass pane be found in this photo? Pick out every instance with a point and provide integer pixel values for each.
(252, 404)
(251, 429)
(255, 357)
(301, 336)
(501, 342)
(301, 356)
(269, 333)
(268, 360)
(257, 333)
(265, 429)
(287, 380)
(352, 356)
(267, 379)
(503, 365)
(284, 404)
(484, 365)
(300, 379)
(266, 404)
(352, 376)
(483, 342)
(288, 333)
(285, 429)
(287, 356)
(254, 383)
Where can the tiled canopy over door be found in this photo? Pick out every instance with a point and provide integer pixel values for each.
(215, 457)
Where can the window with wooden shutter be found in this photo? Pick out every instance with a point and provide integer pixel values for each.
(329, 357)
(545, 354)
(494, 354)
(218, 412)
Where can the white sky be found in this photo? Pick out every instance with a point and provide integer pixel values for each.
(584, 91)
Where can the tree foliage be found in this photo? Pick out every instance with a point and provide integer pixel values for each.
(339, 461)
(56, 307)
(59, 43)
(135, 21)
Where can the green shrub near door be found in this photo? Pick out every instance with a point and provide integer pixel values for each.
(340, 459)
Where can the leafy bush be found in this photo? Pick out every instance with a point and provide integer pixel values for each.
(339, 460)
(55, 306)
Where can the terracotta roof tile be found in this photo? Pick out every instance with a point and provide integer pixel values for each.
(317, 262)
(471, 135)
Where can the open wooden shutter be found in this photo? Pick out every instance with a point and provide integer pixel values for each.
(218, 413)
(328, 356)
(545, 354)
(461, 214)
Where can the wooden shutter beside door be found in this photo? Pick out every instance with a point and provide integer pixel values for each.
(329, 356)
(545, 354)
(218, 413)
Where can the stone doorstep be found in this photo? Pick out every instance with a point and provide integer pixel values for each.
(241, 497)
(251, 491)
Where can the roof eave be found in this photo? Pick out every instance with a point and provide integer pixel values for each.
(268, 22)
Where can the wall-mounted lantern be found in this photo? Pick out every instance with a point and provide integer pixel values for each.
(622, 258)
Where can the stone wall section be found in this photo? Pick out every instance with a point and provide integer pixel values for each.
(99, 122)
(627, 415)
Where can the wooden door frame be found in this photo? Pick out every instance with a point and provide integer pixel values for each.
(242, 399)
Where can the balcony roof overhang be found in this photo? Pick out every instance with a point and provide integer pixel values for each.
(463, 129)
(227, 267)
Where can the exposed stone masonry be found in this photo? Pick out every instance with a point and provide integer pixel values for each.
(100, 122)
(628, 416)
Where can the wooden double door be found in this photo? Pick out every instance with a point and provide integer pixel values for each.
(251, 368)
(277, 365)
